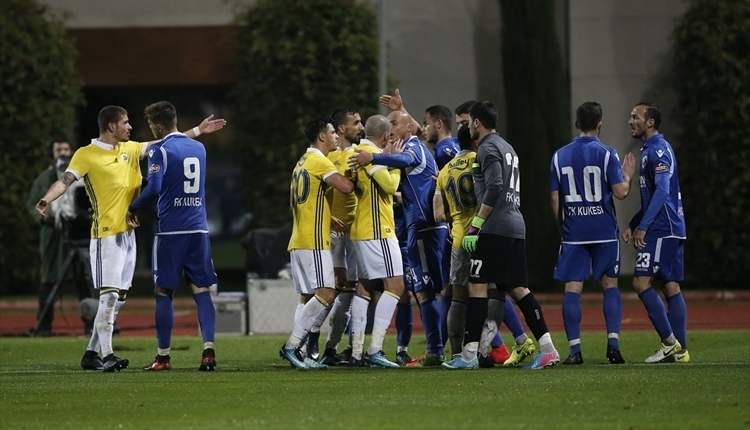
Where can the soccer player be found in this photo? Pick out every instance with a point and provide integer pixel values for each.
(348, 126)
(657, 231)
(310, 244)
(584, 175)
(374, 236)
(426, 238)
(462, 113)
(177, 175)
(495, 241)
(111, 174)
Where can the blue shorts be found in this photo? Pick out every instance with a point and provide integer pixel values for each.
(175, 254)
(578, 262)
(425, 256)
(662, 257)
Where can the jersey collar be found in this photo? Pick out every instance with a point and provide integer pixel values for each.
(100, 144)
(315, 150)
(464, 152)
(367, 142)
(653, 139)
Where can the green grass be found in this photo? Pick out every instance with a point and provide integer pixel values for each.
(41, 386)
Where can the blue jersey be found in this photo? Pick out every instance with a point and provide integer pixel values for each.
(445, 151)
(661, 212)
(177, 172)
(583, 173)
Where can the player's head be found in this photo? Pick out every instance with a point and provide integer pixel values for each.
(378, 130)
(436, 118)
(462, 113)
(348, 124)
(321, 134)
(464, 138)
(59, 147)
(161, 117)
(401, 125)
(644, 120)
(589, 117)
(482, 115)
(113, 121)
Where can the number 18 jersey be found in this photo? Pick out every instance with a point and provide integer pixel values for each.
(583, 173)
(457, 186)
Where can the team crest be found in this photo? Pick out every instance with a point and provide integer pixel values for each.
(617, 268)
(659, 152)
(125, 157)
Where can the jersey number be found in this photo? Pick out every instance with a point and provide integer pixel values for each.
(192, 169)
(462, 191)
(515, 179)
(476, 267)
(642, 260)
(301, 186)
(592, 184)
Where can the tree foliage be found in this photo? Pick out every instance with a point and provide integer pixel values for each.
(39, 94)
(297, 60)
(711, 75)
(537, 100)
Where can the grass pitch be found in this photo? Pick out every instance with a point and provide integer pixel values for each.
(42, 386)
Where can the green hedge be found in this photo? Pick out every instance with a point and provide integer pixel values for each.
(39, 94)
(296, 60)
(711, 74)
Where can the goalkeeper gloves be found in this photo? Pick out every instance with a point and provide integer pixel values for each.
(469, 241)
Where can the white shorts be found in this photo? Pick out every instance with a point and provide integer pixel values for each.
(311, 269)
(343, 255)
(379, 258)
(460, 262)
(113, 260)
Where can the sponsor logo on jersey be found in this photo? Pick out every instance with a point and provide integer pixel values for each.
(659, 152)
(661, 168)
(153, 168)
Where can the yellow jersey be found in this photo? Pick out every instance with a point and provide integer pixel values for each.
(373, 218)
(455, 183)
(311, 202)
(343, 205)
(112, 178)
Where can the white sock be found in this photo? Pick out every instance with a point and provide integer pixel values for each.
(489, 330)
(470, 351)
(359, 324)
(307, 317)
(339, 319)
(383, 315)
(104, 321)
(545, 344)
(456, 325)
(297, 311)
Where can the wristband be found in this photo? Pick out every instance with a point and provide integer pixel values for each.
(196, 131)
(477, 222)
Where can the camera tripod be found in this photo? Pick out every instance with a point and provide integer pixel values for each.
(81, 274)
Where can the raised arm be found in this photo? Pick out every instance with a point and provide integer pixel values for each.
(55, 191)
(394, 102)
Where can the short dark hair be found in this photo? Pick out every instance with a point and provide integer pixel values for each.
(442, 113)
(161, 113)
(588, 116)
(341, 115)
(464, 107)
(110, 114)
(652, 112)
(51, 145)
(485, 113)
(464, 137)
(316, 126)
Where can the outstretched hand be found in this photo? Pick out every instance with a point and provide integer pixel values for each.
(210, 125)
(392, 102)
(360, 159)
(628, 165)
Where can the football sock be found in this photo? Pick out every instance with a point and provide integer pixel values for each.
(511, 320)
(404, 325)
(456, 325)
(307, 317)
(105, 319)
(431, 323)
(677, 315)
(656, 313)
(489, 331)
(571, 310)
(533, 315)
(358, 325)
(206, 315)
(164, 318)
(298, 309)
(613, 316)
(476, 315)
(495, 311)
(383, 314)
(545, 344)
(339, 318)
(445, 306)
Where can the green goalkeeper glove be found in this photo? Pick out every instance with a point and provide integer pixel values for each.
(469, 241)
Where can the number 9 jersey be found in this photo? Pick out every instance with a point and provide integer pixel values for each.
(456, 185)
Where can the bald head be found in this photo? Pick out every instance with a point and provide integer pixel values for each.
(376, 126)
(401, 125)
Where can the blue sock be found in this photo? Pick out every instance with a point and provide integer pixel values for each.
(206, 315)
(613, 316)
(164, 319)
(445, 306)
(677, 315)
(656, 312)
(511, 320)
(404, 323)
(497, 340)
(431, 323)
(571, 309)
